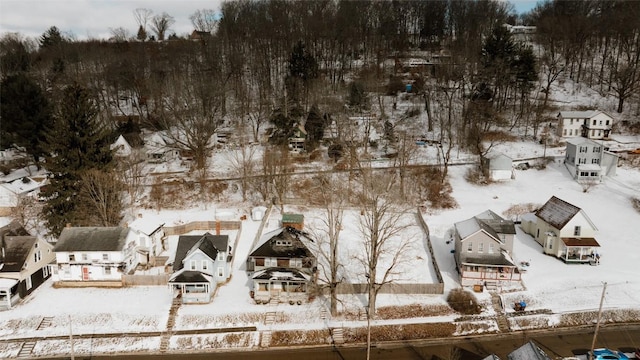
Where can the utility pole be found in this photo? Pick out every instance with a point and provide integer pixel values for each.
(595, 334)
(71, 338)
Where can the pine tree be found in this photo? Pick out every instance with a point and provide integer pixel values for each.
(76, 143)
(25, 112)
(314, 126)
(142, 34)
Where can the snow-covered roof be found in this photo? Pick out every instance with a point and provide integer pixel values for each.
(7, 283)
(578, 114)
(23, 185)
(579, 140)
(147, 224)
(488, 221)
(558, 213)
(528, 351)
(589, 167)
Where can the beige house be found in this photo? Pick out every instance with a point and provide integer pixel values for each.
(484, 250)
(564, 231)
(592, 124)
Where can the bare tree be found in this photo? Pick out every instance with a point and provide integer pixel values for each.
(27, 213)
(103, 191)
(276, 167)
(120, 34)
(161, 23)
(131, 170)
(204, 20)
(142, 16)
(380, 226)
(243, 163)
(332, 195)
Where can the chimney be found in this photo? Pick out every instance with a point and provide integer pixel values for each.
(139, 215)
(68, 225)
(217, 227)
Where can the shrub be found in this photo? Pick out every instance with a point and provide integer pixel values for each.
(635, 201)
(463, 302)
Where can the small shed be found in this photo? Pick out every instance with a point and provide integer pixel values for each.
(295, 221)
(499, 167)
(258, 212)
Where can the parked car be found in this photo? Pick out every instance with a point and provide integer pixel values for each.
(606, 354)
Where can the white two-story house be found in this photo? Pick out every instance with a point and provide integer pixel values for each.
(564, 231)
(592, 124)
(201, 263)
(587, 160)
(148, 232)
(94, 254)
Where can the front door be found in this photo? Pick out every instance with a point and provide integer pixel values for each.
(85, 273)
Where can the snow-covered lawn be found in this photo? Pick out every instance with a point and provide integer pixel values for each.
(549, 283)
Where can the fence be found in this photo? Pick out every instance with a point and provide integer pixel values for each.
(425, 228)
(201, 225)
(145, 280)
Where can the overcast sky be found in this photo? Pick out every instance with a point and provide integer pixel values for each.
(93, 18)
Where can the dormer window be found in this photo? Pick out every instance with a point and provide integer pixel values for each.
(284, 243)
(220, 256)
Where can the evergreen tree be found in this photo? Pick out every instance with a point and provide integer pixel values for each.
(314, 126)
(142, 34)
(51, 38)
(76, 144)
(25, 112)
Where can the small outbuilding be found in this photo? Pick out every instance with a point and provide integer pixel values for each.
(295, 221)
(499, 167)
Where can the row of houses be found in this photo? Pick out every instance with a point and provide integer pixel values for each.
(484, 243)
(281, 265)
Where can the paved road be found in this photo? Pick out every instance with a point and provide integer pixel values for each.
(557, 343)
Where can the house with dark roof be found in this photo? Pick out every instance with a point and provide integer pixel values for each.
(528, 351)
(282, 266)
(201, 263)
(95, 255)
(564, 231)
(484, 249)
(24, 264)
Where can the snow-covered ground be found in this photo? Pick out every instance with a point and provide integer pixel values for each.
(549, 283)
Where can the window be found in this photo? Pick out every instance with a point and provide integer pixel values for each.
(85, 257)
(295, 263)
(584, 173)
(571, 121)
(45, 272)
(564, 132)
(221, 272)
(37, 256)
(205, 264)
(594, 174)
(481, 247)
(491, 248)
(270, 262)
(28, 282)
(538, 234)
(107, 270)
(193, 265)
(594, 122)
(72, 257)
(220, 256)
(600, 122)
(583, 149)
(595, 161)
(35, 245)
(607, 123)
(470, 247)
(576, 231)
(596, 149)
(105, 257)
(593, 133)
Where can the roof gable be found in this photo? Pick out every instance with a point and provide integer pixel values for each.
(209, 245)
(557, 212)
(16, 252)
(92, 239)
(269, 245)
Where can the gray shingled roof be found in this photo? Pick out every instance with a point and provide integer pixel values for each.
(16, 249)
(557, 212)
(92, 239)
(207, 243)
(528, 351)
(189, 276)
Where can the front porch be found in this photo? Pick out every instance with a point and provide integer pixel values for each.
(474, 274)
(579, 251)
(281, 285)
(193, 286)
(9, 296)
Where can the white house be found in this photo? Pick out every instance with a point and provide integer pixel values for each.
(121, 147)
(159, 150)
(587, 160)
(148, 234)
(94, 254)
(11, 192)
(592, 124)
(201, 263)
(564, 231)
